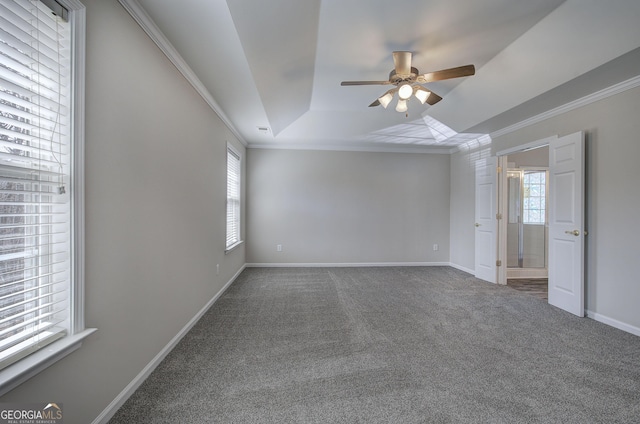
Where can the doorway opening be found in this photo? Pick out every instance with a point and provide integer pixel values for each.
(538, 287)
(524, 226)
(565, 231)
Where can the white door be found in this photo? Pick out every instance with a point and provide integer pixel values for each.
(566, 223)
(486, 219)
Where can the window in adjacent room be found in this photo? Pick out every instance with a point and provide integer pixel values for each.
(534, 207)
(41, 203)
(233, 198)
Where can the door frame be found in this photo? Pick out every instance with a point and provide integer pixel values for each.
(576, 273)
(502, 199)
(485, 220)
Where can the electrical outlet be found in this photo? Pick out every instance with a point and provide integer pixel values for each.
(435, 247)
(279, 248)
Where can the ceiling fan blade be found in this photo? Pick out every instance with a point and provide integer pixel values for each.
(433, 98)
(402, 62)
(374, 104)
(365, 82)
(460, 71)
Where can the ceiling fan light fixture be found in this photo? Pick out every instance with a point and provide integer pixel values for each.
(422, 94)
(401, 106)
(386, 99)
(407, 81)
(405, 91)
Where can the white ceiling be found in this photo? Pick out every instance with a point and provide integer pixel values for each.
(279, 63)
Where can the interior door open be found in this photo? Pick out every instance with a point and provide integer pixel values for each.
(485, 240)
(566, 223)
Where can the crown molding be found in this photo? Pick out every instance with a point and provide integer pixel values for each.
(583, 101)
(151, 29)
(343, 264)
(355, 148)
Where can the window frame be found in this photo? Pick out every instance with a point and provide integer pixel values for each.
(231, 150)
(544, 211)
(27, 367)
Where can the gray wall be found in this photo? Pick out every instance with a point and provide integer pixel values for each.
(155, 215)
(347, 207)
(155, 171)
(613, 199)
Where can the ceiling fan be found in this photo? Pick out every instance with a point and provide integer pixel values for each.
(408, 80)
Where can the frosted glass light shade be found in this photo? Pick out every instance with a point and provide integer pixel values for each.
(405, 91)
(422, 95)
(401, 106)
(385, 100)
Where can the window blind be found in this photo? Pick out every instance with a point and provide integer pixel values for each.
(233, 198)
(35, 207)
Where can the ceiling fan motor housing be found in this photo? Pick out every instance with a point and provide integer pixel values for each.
(397, 79)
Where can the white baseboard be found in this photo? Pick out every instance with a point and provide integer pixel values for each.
(614, 323)
(525, 273)
(343, 265)
(122, 397)
(461, 268)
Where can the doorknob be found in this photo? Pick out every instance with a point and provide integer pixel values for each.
(574, 232)
(477, 225)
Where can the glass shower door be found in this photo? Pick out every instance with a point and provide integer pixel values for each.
(527, 218)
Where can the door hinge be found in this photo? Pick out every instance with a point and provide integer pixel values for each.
(498, 262)
(498, 216)
(499, 169)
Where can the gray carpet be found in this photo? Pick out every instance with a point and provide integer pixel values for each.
(389, 345)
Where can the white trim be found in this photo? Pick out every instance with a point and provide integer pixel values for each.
(614, 323)
(527, 146)
(233, 247)
(503, 273)
(390, 148)
(503, 197)
(78, 18)
(343, 265)
(146, 23)
(527, 273)
(584, 101)
(233, 148)
(462, 268)
(234, 152)
(27, 367)
(122, 397)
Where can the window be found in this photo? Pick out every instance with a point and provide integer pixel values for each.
(40, 186)
(534, 184)
(233, 198)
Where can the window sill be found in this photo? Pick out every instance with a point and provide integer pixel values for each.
(21, 371)
(233, 246)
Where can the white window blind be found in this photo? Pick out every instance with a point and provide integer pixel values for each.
(233, 198)
(35, 206)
